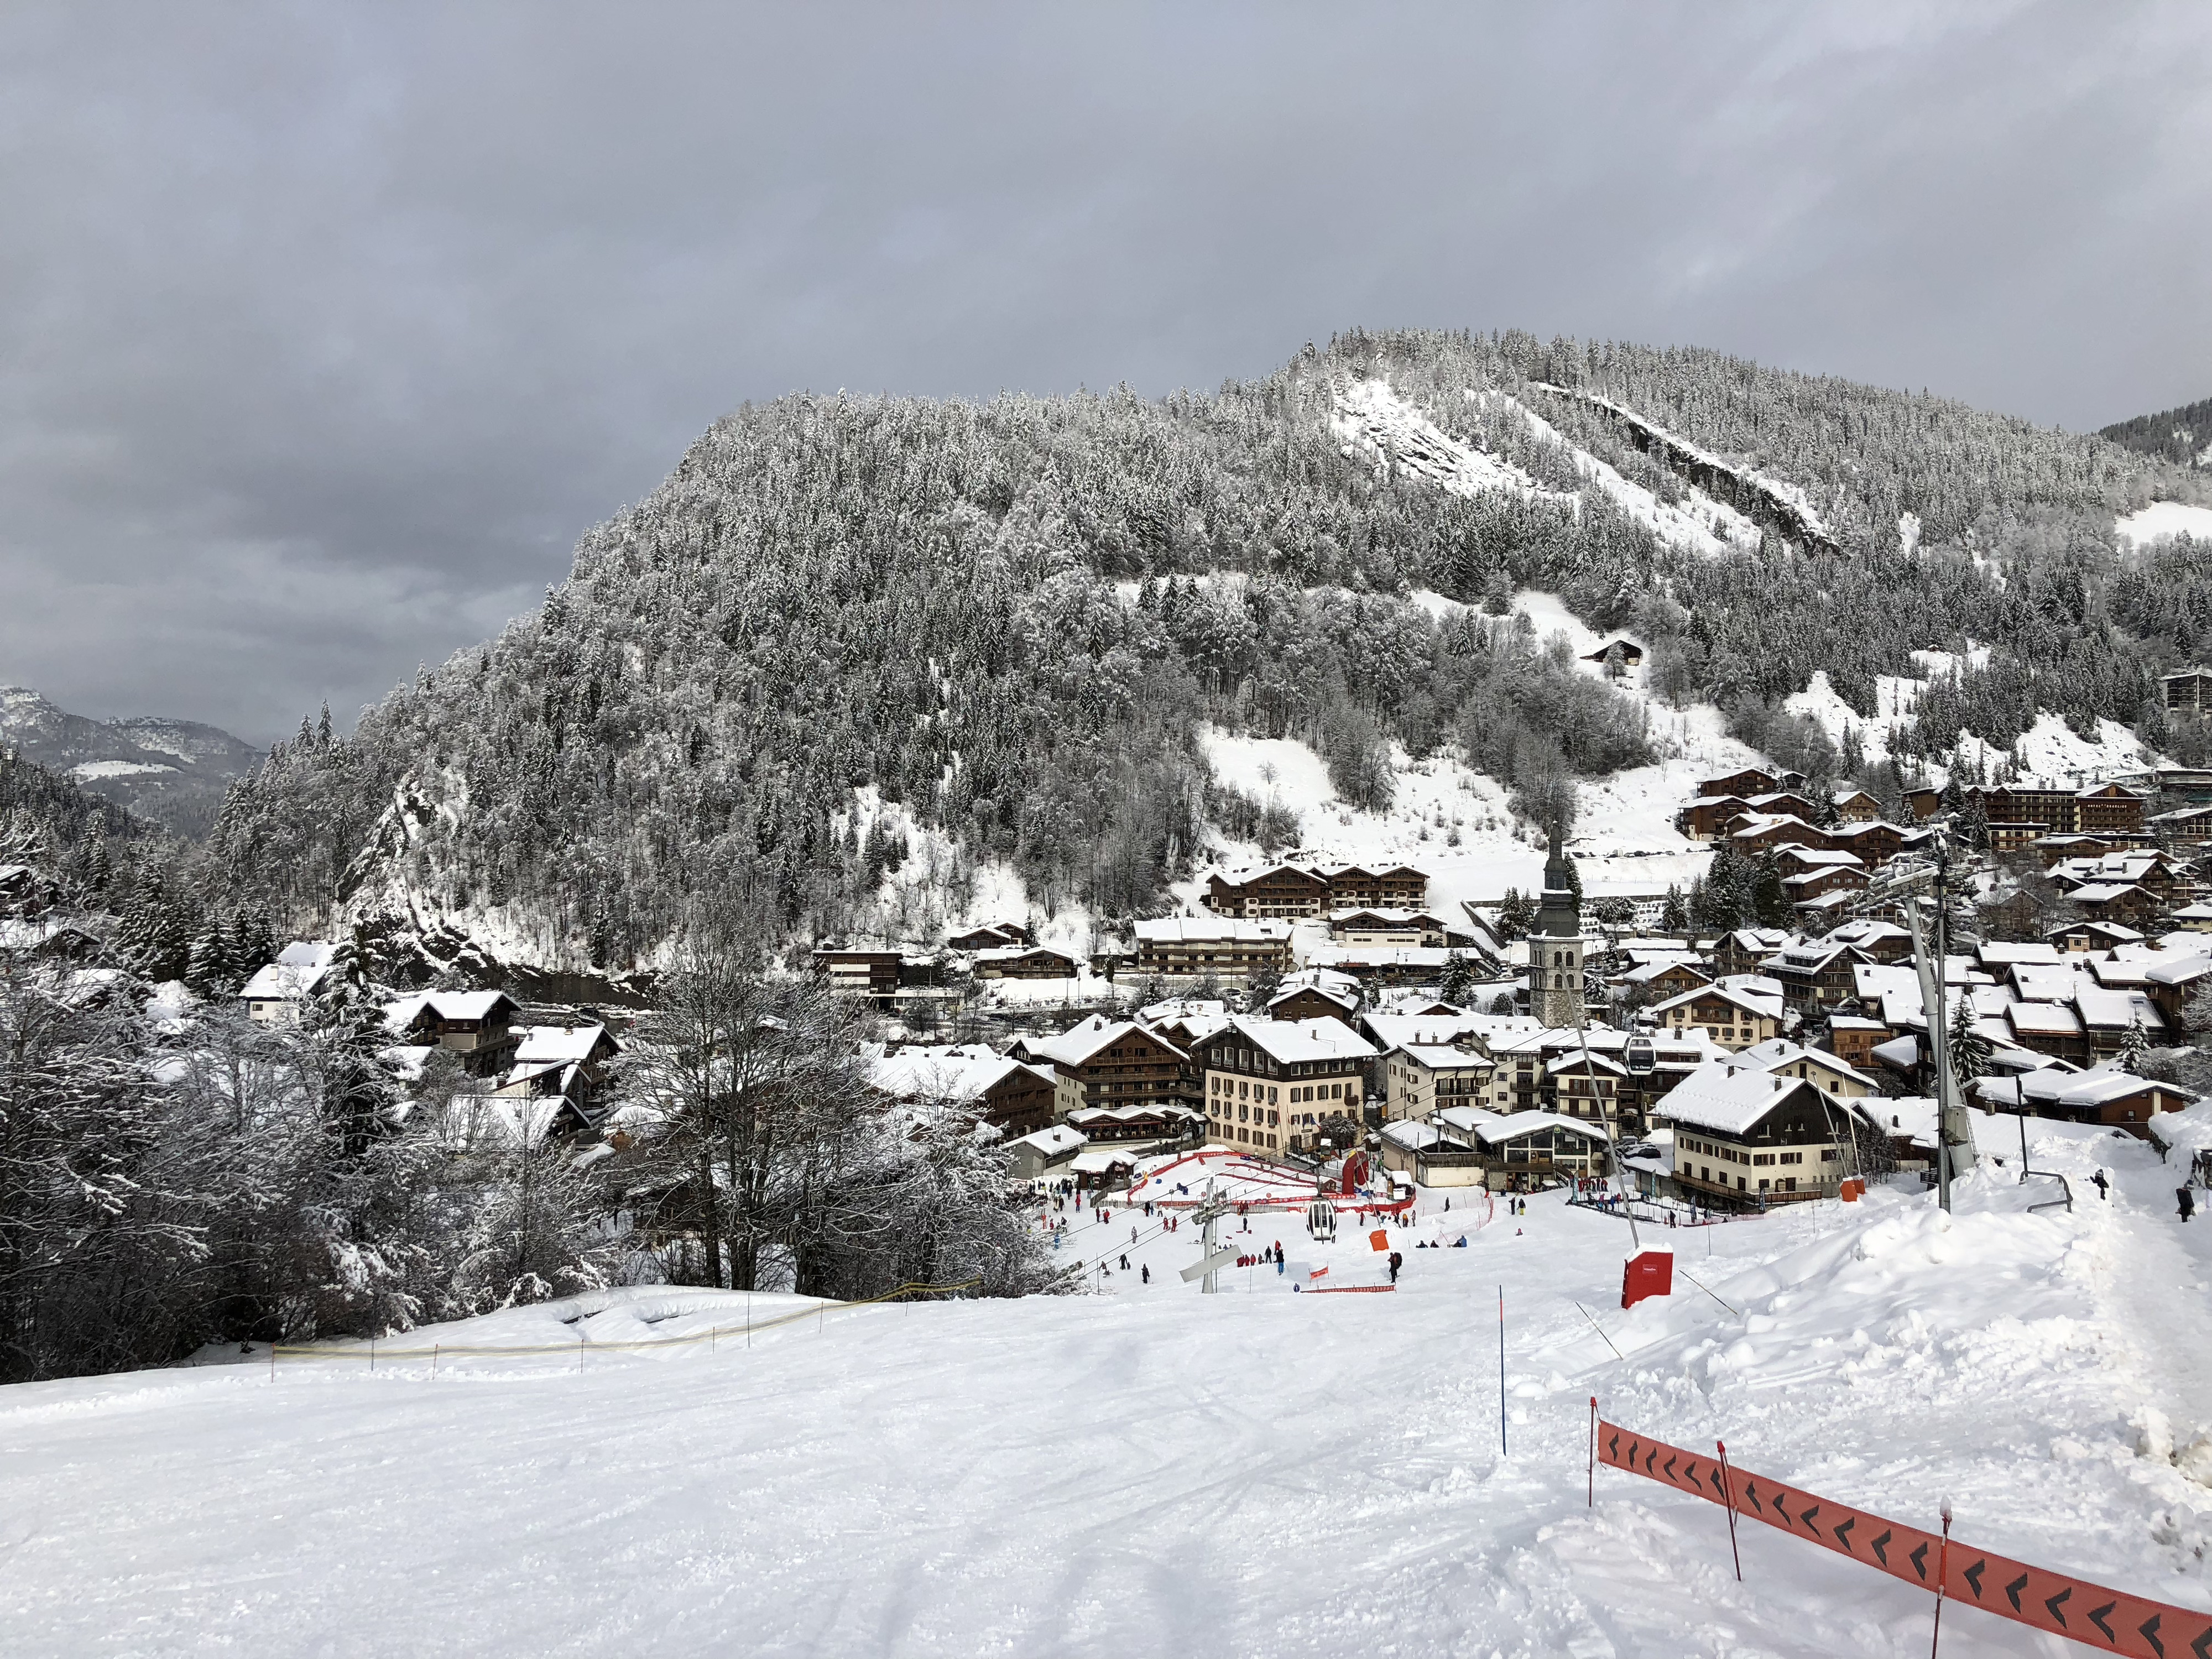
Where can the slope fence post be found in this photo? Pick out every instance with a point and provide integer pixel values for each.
(1591, 1503)
(1727, 1490)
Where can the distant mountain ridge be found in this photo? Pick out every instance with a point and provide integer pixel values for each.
(2182, 435)
(173, 772)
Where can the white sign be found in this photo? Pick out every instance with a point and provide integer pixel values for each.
(1212, 1264)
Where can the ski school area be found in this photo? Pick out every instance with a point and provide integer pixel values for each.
(1493, 1459)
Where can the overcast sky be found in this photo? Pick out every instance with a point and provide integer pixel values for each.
(325, 330)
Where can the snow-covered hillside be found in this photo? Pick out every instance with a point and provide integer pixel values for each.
(1454, 822)
(1152, 1471)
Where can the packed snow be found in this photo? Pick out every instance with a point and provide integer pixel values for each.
(114, 768)
(1151, 1470)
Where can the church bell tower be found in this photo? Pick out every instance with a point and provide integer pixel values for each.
(1555, 947)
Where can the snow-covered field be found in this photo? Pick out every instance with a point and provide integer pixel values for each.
(2163, 519)
(1152, 1471)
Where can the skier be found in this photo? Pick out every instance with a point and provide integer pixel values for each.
(2188, 1201)
(1125, 1262)
(1148, 1274)
(2104, 1187)
(1396, 1262)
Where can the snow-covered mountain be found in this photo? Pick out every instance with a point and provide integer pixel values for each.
(172, 772)
(888, 663)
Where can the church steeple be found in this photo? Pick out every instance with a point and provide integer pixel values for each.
(1555, 945)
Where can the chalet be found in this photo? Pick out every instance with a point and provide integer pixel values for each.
(1659, 981)
(2173, 984)
(477, 1025)
(2108, 1016)
(1874, 940)
(1855, 806)
(1589, 1087)
(2048, 1028)
(1784, 803)
(1103, 1062)
(1853, 1038)
(1224, 948)
(859, 971)
(1620, 649)
(1814, 976)
(1519, 1152)
(1922, 803)
(2061, 809)
(2080, 938)
(1376, 927)
(568, 1061)
(1706, 816)
(2193, 918)
(2113, 1098)
(1273, 1086)
(1314, 1002)
(1732, 1019)
(1384, 964)
(2000, 956)
(1016, 1097)
(2108, 806)
(992, 936)
(1875, 842)
(1807, 885)
(1805, 861)
(1417, 1078)
(2185, 826)
(1834, 1075)
(2124, 901)
(1023, 962)
(1138, 1128)
(26, 894)
(2007, 835)
(1383, 886)
(277, 993)
(1752, 780)
(1036, 1156)
(1281, 890)
(1744, 950)
(1747, 1138)
(1761, 833)
(2189, 691)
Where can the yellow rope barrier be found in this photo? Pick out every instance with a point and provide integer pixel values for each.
(443, 1351)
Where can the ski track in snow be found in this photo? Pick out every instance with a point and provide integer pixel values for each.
(1153, 1471)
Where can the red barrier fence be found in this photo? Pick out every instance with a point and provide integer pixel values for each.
(2089, 1613)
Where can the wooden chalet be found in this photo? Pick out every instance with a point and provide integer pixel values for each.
(1103, 1062)
(1747, 1138)
(1856, 806)
(993, 936)
(1219, 947)
(477, 1025)
(2189, 692)
(859, 971)
(1732, 1019)
(1752, 780)
(1023, 962)
(1312, 1002)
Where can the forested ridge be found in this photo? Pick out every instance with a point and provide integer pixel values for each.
(1011, 617)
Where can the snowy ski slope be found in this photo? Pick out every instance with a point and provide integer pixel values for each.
(1153, 1471)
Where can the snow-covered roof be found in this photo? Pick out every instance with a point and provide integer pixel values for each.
(1776, 1053)
(1054, 1140)
(1764, 1007)
(308, 953)
(1303, 1042)
(1080, 1041)
(2106, 1010)
(282, 982)
(1495, 1128)
(562, 1045)
(2044, 1019)
(1445, 1057)
(1083, 1117)
(1412, 1134)
(2008, 953)
(1397, 1031)
(1103, 1162)
(1202, 930)
(936, 1074)
(2059, 1086)
(1726, 1099)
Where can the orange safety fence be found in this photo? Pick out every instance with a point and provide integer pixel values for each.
(2051, 1602)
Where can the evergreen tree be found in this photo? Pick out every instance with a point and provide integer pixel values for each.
(1969, 1049)
(1674, 913)
(2133, 1046)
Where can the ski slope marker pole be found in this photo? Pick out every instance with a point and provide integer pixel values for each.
(1942, 1566)
(1728, 1489)
(1592, 1503)
(1501, 1370)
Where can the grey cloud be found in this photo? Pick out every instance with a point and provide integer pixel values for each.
(323, 330)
